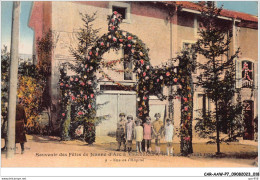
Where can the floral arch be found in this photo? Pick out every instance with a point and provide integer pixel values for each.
(81, 89)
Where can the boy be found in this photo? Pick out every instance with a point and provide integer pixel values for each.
(120, 132)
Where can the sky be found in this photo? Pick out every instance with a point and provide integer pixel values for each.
(26, 33)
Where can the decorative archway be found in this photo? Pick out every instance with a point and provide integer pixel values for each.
(82, 87)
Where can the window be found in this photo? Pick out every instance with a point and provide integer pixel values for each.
(128, 73)
(247, 74)
(120, 10)
(189, 46)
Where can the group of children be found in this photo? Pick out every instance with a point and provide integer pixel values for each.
(127, 130)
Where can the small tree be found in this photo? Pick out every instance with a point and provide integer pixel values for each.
(215, 38)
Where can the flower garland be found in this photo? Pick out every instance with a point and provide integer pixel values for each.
(81, 89)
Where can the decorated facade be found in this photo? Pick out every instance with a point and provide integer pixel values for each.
(126, 59)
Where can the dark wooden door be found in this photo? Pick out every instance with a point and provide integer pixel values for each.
(248, 119)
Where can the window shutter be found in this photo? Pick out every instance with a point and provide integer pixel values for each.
(255, 74)
(238, 74)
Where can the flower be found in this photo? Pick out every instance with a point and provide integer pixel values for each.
(108, 45)
(145, 98)
(86, 66)
(147, 67)
(187, 138)
(114, 39)
(129, 45)
(142, 61)
(146, 78)
(85, 77)
(76, 79)
(80, 113)
(144, 73)
(132, 50)
(89, 106)
(92, 95)
(89, 82)
(61, 84)
(168, 74)
(189, 95)
(113, 27)
(67, 85)
(96, 53)
(175, 79)
(185, 99)
(63, 114)
(109, 37)
(71, 79)
(121, 40)
(158, 80)
(113, 19)
(88, 57)
(141, 54)
(102, 44)
(90, 53)
(138, 70)
(186, 108)
(86, 97)
(81, 92)
(140, 108)
(90, 67)
(115, 12)
(73, 98)
(129, 37)
(161, 77)
(124, 33)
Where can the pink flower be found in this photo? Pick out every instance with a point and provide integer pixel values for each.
(186, 108)
(142, 61)
(67, 85)
(129, 37)
(73, 98)
(61, 84)
(80, 113)
(187, 138)
(82, 83)
(158, 80)
(145, 98)
(185, 99)
(102, 44)
(113, 20)
(88, 57)
(175, 79)
(140, 108)
(90, 53)
(115, 12)
(144, 73)
(113, 27)
(71, 79)
(129, 45)
(63, 114)
(168, 74)
(92, 95)
(86, 66)
(89, 82)
(97, 54)
(132, 50)
(114, 39)
(89, 106)
(121, 40)
(76, 79)
(86, 97)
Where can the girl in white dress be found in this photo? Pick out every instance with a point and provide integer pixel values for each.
(169, 133)
(138, 135)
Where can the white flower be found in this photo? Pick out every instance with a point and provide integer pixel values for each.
(97, 49)
(147, 67)
(138, 99)
(85, 77)
(146, 78)
(90, 67)
(161, 77)
(121, 45)
(109, 36)
(138, 70)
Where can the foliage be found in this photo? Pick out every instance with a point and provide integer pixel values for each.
(215, 38)
(30, 91)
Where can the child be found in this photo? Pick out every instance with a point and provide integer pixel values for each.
(129, 132)
(169, 133)
(148, 134)
(138, 135)
(157, 130)
(120, 132)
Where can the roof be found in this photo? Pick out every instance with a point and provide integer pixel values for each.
(224, 12)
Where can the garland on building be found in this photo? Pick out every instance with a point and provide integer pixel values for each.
(81, 89)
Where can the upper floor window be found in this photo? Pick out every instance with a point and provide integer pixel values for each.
(128, 73)
(247, 74)
(122, 8)
(189, 46)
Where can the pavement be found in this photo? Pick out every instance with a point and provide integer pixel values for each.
(49, 151)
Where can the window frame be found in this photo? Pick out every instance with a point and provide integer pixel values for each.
(121, 5)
